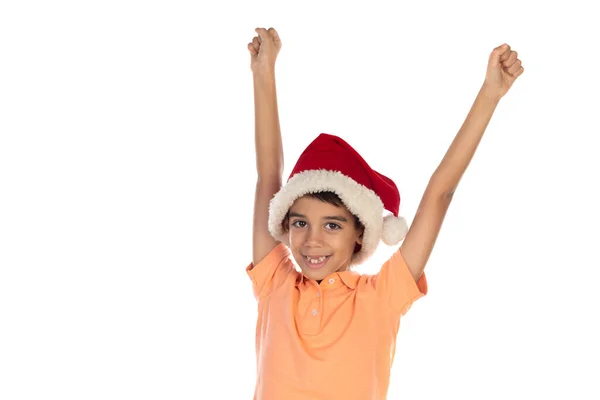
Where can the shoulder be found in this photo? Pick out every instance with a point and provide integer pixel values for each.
(278, 254)
(272, 272)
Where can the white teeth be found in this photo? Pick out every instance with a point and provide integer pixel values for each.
(316, 260)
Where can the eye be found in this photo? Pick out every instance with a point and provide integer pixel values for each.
(299, 224)
(332, 226)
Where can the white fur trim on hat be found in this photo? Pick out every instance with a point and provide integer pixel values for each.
(360, 201)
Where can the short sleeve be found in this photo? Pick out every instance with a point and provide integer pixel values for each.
(396, 285)
(271, 272)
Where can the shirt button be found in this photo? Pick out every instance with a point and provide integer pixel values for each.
(314, 312)
(318, 294)
(331, 280)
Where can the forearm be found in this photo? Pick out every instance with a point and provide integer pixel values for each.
(446, 177)
(269, 148)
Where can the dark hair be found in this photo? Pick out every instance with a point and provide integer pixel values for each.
(326, 197)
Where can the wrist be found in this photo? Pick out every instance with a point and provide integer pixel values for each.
(489, 94)
(264, 75)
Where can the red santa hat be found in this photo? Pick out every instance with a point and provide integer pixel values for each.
(331, 164)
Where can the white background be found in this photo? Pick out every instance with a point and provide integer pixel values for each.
(127, 173)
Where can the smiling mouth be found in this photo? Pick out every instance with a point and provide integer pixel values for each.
(316, 262)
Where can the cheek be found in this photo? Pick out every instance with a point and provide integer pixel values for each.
(344, 241)
(295, 238)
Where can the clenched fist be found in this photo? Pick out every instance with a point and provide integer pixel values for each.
(504, 67)
(264, 49)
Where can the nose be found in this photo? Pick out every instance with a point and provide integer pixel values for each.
(314, 237)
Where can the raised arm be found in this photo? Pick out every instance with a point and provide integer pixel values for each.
(503, 69)
(269, 149)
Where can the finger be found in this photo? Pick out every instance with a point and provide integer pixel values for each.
(497, 53)
(510, 60)
(274, 34)
(504, 55)
(519, 72)
(513, 69)
(251, 49)
(256, 44)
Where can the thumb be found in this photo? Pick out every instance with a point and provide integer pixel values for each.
(496, 54)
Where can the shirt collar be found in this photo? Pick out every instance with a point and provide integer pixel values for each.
(350, 278)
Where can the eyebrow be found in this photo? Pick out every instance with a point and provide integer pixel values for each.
(330, 217)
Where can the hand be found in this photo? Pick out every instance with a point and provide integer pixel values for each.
(264, 50)
(503, 69)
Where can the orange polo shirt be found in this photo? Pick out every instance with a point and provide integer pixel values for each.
(334, 340)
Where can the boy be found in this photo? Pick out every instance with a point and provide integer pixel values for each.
(325, 331)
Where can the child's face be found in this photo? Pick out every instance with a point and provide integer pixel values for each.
(318, 229)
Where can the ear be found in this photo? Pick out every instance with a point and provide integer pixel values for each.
(359, 239)
(285, 224)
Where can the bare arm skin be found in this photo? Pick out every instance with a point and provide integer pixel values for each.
(269, 148)
(422, 235)
(503, 69)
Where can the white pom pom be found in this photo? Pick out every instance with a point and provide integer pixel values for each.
(394, 229)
